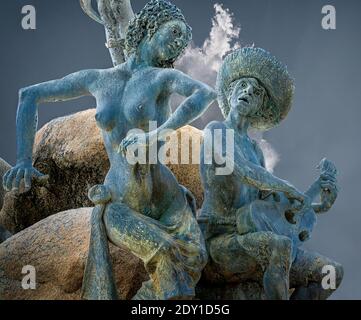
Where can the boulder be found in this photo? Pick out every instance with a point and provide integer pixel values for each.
(188, 173)
(4, 234)
(4, 167)
(71, 151)
(57, 248)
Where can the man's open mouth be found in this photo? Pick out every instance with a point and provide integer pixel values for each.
(244, 99)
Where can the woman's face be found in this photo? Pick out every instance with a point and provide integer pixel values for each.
(169, 41)
(247, 97)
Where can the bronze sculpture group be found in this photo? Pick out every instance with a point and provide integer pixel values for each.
(252, 223)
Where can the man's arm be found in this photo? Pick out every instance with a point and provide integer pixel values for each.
(250, 173)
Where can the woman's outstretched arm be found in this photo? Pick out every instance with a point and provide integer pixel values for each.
(72, 86)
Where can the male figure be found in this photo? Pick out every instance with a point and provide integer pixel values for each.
(255, 222)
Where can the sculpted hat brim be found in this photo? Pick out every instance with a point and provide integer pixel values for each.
(273, 75)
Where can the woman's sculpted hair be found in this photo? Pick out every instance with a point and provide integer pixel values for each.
(148, 21)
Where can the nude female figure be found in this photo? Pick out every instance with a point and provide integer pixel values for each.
(141, 207)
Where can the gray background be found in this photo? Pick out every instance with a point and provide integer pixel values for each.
(323, 122)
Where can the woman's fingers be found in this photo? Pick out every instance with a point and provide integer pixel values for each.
(10, 179)
(124, 145)
(13, 178)
(5, 178)
(27, 179)
(121, 148)
(18, 178)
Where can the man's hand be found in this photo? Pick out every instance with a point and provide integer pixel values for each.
(327, 186)
(328, 192)
(328, 183)
(298, 200)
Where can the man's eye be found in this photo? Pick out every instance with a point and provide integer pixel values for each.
(175, 31)
(244, 85)
(257, 92)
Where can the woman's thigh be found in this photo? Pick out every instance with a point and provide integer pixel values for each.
(142, 235)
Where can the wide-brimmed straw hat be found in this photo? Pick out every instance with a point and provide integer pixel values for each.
(250, 62)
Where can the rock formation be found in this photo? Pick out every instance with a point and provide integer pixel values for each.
(57, 248)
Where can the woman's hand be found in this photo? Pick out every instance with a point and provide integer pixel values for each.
(133, 142)
(22, 171)
(137, 141)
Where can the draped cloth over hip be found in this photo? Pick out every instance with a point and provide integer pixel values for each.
(98, 281)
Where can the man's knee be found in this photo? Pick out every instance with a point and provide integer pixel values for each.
(332, 268)
(339, 273)
(312, 267)
(281, 246)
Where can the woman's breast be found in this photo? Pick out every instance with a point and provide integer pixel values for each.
(140, 114)
(108, 116)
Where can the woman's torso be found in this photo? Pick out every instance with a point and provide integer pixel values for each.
(129, 100)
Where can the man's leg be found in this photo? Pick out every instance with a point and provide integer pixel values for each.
(306, 276)
(261, 256)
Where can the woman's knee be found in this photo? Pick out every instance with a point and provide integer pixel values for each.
(114, 215)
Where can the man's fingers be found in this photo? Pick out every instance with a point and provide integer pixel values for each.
(17, 181)
(329, 186)
(296, 205)
(328, 177)
(326, 185)
(299, 198)
(299, 206)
